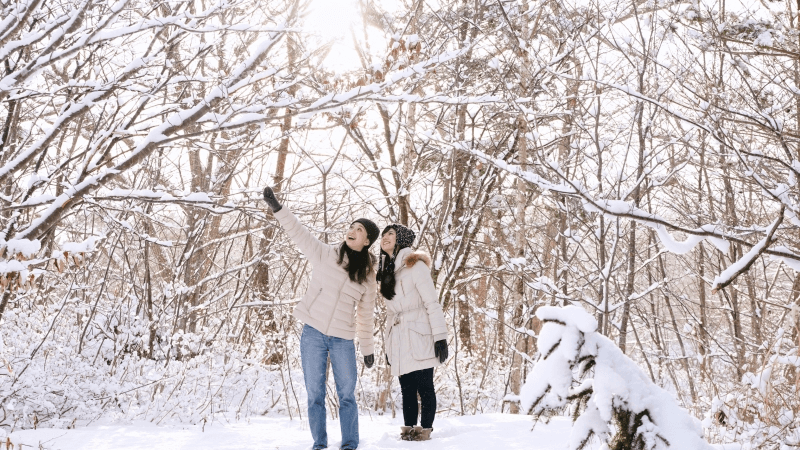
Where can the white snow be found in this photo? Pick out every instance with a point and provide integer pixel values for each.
(27, 247)
(567, 340)
(81, 247)
(570, 314)
(497, 431)
(146, 193)
(745, 260)
(35, 178)
(679, 248)
(517, 262)
(200, 197)
(764, 39)
(38, 200)
(11, 266)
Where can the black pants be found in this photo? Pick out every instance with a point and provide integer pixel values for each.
(419, 381)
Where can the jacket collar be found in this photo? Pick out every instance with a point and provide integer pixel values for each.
(400, 259)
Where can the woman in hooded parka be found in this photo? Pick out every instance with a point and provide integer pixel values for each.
(416, 331)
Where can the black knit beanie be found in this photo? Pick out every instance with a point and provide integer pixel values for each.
(372, 229)
(404, 237)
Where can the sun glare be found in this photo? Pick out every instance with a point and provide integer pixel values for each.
(332, 20)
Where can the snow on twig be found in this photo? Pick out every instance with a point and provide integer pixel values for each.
(743, 264)
(622, 208)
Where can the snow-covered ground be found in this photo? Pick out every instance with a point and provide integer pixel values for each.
(485, 431)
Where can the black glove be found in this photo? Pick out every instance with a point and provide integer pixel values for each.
(387, 359)
(369, 360)
(269, 197)
(440, 350)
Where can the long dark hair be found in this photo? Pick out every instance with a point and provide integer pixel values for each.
(359, 264)
(404, 237)
(386, 275)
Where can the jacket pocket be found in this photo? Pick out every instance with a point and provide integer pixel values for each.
(314, 299)
(353, 290)
(421, 339)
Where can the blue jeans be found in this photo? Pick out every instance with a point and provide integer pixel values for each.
(315, 348)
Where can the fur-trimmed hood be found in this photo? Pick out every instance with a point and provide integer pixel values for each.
(418, 255)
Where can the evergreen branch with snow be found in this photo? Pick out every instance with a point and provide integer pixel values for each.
(609, 397)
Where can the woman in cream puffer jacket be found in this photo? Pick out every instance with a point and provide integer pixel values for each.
(338, 306)
(416, 331)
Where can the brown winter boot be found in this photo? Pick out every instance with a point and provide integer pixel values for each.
(422, 434)
(407, 433)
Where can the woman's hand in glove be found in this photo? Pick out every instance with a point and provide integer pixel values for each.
(369, 360)
(269, 197)
(440, 350)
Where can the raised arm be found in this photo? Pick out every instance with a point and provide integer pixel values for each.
(314, 249)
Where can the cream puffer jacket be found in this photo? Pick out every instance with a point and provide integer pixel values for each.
(333, 304)
(414, 318)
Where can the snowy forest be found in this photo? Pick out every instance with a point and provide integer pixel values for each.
(637, 160)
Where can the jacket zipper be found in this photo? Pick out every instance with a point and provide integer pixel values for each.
(315, 300)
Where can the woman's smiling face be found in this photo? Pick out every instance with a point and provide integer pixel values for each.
(356, 237)
(388, 241)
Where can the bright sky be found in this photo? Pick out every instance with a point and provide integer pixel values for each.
(332, 20)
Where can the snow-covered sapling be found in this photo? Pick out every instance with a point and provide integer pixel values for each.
(610, 398)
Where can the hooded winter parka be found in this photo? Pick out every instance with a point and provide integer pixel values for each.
(333, 304)
(414, 318)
